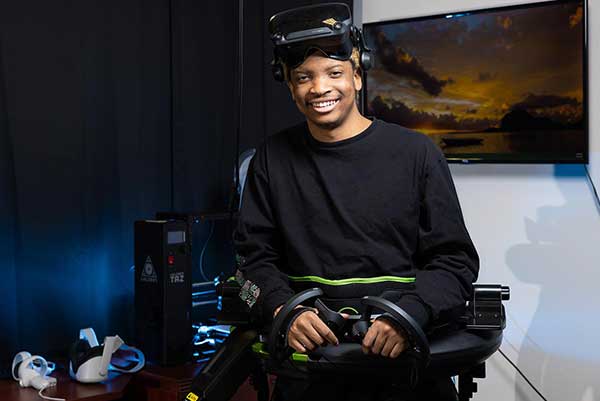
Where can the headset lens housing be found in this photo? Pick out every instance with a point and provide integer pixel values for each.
(298, 32)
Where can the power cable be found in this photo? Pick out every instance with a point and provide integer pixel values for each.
(240, 97)
(522, 375)
(587, 173)
(201, 259)
(505, 340)
(171, 109)
(234, 199)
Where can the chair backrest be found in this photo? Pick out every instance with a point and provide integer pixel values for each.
(244, 164)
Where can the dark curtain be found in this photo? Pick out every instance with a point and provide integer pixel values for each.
(110, 111)
(205, 62)
(84, 150)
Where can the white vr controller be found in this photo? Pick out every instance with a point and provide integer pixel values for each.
(30, 371)
(27, 373)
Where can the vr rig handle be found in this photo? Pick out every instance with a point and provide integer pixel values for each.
(334, 320)
(417, 337)
(276, 340)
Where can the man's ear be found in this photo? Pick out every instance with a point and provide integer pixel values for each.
(291, 88)
(357, 77)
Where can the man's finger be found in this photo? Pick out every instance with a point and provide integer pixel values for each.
(297, 346)
(397, 350)
(380, 340)
(388, 347)
(325, 331)
(367, 342)
(305, 341)
(311, 332)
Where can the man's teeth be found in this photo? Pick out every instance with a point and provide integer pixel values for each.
(324, 104)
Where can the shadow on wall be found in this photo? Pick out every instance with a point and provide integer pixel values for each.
(561, 355)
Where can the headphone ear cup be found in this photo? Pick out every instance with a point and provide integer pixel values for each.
(366, 60)
(358, 40)
(277, 70)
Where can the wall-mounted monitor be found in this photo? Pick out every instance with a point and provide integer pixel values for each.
(497, 85)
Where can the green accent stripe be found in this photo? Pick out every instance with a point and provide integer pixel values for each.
(299, 357)
(348, 281)
(348, 309)
(261, 350)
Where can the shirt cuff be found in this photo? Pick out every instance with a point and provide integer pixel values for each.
(274, 300)
(415, 308)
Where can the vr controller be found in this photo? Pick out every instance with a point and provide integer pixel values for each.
(349, 330)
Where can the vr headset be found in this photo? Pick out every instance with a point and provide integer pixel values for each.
(326, 28)
(90, 362)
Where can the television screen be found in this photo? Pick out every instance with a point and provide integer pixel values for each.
(498, 85)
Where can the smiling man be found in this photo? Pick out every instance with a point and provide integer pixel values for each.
(353, 206)
(325, 90)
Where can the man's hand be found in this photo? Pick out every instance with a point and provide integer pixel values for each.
(308, 331)
(385, 339)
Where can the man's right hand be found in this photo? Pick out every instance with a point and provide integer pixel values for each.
(308, 331)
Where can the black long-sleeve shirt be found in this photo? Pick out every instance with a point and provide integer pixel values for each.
(375, 214)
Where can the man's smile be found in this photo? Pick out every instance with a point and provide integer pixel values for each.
(323, 106)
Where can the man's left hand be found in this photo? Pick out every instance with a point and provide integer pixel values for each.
(385, 339)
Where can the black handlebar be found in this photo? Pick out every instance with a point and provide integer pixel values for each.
(419, 345)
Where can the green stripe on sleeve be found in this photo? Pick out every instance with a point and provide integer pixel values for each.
(348, 281)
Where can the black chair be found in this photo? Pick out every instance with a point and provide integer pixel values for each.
(457, 350)
(460, 349)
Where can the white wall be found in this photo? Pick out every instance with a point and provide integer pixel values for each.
(537, 229)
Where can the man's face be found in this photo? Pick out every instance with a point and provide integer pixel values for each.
(324, 90)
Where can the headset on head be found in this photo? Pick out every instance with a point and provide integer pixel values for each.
(324, 27)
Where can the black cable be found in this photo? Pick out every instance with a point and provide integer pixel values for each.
(171, 108)
(454, 384)
(587, 173)
(240, 89)
(234, 200)
(522, 375)
(201, 259)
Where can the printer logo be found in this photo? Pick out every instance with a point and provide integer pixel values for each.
(149, 273)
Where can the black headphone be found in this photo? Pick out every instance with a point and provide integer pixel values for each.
(365, 57)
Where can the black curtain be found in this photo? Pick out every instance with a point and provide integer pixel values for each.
(205, 65)
(85, 142)
(110, 111)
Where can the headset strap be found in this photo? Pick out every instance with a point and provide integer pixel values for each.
(111, 344)
(89, 335)
(141, 360)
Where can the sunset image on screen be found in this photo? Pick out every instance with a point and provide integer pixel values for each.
(507, 83)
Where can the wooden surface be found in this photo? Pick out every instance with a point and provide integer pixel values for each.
(111, 389)
(153, 383)
(156, 383)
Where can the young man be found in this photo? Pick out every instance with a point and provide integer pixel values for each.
(353, 206)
